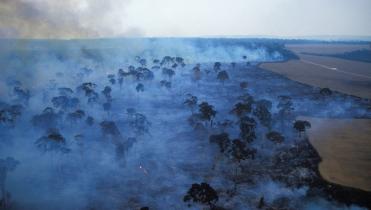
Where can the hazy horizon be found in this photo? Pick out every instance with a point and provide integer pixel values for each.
(320, 38)
(73, 19)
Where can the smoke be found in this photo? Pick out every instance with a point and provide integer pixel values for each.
(26, 60)
(159, 168)
(64, 19)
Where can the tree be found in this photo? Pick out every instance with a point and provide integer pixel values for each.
(217, 66)
(109, 129)
(207, 112)
(325, 91)
(166, 61)
(180, 61)
(246, 98)
(143, 62)
(247, 129)
(222, 140)
(233, 64)
(285, 107)
(140, 124)
(107, 93)
(261, 203)
(201, 193)
(166, 84)
(138, 74)
(121, 75)
(123, 147)
(240, 151)
(197, 73)
(168, 72)
(8, 164)
(191, 102)
(131, 112)
(89, 120)
(139, 87)
(89, 89)
(9, 114)
(65, 102)
(76, 115)
(222, 76)
(147, 74)
(301, 126)
(241, 109)
(261, 111)
(121, 81)
(275, 137)
(111, 78)
(53, 141)
(23, 95)
(93, 98)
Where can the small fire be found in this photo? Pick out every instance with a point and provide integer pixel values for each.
(143, 169)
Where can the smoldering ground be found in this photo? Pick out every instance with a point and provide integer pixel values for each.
(92, 171)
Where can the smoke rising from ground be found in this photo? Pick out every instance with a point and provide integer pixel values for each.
(160, 166)
(64, 19)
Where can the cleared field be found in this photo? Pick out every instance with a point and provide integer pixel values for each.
(345, 147)
(325, 48)
(350, 77)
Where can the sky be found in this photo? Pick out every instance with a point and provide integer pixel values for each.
(70, 19)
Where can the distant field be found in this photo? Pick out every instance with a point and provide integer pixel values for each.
(350, 77)
(326, 48)
(363, 55)
(344, 144)
(345, 147)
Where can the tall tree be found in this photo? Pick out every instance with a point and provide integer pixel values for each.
(222, 76)
(261, 111)
(217, 66)
(191, 102)
(53, 141)
(247, 129)
(240, 151)
(202, 193)
(301, 126)
(285, 109)
(241, 109)
(197, 74)
(7, 165)
(207, 112)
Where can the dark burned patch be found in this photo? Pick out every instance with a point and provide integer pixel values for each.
(298, 166)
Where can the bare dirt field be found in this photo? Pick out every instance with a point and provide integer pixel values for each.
(345, 148)
(343, 144)
(350, 77)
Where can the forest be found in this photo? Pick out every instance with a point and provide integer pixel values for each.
(162, 124)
